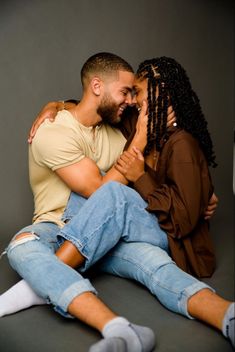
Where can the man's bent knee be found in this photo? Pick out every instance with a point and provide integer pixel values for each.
(19, 240)
(22, 238)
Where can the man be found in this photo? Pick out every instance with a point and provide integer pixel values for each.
(60, 159)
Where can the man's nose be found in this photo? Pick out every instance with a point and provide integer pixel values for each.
(134, 101)
(128, 99)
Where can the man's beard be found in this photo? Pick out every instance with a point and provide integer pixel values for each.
(108, 110)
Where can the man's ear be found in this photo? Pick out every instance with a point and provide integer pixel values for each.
(96, 85)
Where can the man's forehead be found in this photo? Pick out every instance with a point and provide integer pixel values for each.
(121, 79)
(126, 78)
(125, 74)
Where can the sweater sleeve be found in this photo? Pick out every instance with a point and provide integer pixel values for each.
(181, 200)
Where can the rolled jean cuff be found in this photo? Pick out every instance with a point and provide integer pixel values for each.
(188, 293)
(70, 293)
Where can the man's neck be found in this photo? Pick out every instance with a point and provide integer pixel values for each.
(85, 112)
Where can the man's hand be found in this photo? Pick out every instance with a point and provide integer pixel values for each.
(131, 164)
(212, 205)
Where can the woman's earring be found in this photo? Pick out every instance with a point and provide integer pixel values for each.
(175, 124)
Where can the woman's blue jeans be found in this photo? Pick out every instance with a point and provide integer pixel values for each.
(113, 224)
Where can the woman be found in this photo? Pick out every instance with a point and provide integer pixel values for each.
(175, 185)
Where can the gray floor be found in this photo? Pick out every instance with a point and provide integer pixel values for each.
(41, 329)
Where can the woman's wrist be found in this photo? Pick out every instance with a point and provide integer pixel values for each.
(139, 142)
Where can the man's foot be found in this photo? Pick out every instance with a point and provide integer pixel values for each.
(112, 344)
(18, 297)
(128, 337)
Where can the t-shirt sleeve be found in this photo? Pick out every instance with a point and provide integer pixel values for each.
(56, 146)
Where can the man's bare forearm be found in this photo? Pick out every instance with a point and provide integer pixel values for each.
(139, 142)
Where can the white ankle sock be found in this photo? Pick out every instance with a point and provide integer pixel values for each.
(18, 297)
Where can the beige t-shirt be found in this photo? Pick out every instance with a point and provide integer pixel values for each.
(62, 143)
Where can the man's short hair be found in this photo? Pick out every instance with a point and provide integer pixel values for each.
(103, 64)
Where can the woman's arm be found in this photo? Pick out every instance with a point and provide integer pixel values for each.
(49, 111)
(182, 199)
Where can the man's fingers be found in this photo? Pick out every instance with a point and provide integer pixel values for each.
(208, 212)
(207, 217)
(211, 207)
(214, 199)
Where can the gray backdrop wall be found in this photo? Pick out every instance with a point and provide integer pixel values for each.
(43, 44)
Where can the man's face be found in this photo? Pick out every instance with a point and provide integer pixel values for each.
(116, 97)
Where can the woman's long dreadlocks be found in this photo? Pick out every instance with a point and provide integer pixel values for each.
(170, 79)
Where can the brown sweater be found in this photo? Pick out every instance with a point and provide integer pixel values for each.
(178, 192)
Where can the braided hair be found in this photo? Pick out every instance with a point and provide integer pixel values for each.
(168, 78)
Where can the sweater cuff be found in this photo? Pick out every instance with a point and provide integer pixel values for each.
(145, 185)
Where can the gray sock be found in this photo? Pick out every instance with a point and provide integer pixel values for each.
(137, 338)
(229, 323)
(112, 344)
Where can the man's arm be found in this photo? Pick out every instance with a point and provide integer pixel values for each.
(84, 177)
(59, 151)
(212, 205)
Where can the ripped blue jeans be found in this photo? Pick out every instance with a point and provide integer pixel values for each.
(33, 257)
(113, 217)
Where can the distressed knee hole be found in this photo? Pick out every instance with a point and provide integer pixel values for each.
(23, 238)
(22, 235)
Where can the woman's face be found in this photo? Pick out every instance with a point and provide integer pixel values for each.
(140, 92)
